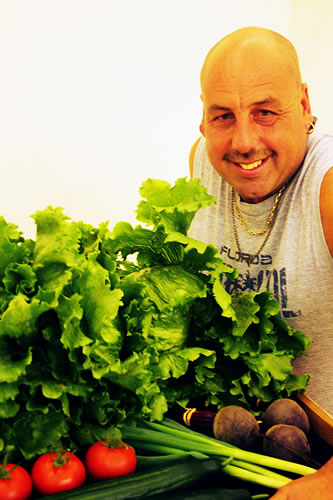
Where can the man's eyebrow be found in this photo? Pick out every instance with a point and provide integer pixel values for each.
(216, 107)
(268, 100)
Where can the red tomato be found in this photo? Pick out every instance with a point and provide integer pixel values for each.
(51, 474)
(18, 486)
(105, 462)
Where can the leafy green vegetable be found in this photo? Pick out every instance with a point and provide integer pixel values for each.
(98, 327)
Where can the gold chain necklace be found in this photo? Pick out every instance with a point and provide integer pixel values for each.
(268, 228)
(269, 220)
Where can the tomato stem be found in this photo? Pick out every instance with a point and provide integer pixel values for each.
(113, 438)
(5, 474)
(115, 443)
(61, 458)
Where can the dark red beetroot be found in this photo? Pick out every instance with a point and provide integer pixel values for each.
(286, 411)
(236, 425)
(287, 442)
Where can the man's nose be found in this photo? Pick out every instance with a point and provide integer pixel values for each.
(244, 137)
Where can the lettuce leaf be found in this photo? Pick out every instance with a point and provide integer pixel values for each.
(99, 327)
(175, 206)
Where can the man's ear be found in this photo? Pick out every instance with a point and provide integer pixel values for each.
(202, 126)
(305, 102)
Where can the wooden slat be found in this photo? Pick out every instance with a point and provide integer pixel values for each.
(321, 422)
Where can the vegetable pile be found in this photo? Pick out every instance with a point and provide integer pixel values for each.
(171, 438)
(100, 327)
(283, 430)
(174, 459)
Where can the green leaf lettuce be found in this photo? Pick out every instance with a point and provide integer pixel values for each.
(98, 327)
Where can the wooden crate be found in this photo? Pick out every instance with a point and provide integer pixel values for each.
(321, 422)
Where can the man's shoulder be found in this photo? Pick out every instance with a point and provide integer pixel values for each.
(192, 155)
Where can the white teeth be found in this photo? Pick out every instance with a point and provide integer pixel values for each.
(250, 166)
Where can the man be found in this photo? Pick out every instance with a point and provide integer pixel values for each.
(272, 176)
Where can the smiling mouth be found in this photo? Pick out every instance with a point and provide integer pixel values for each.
(250, 166)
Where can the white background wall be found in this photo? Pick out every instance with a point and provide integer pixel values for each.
(98, 95)
(311, 31)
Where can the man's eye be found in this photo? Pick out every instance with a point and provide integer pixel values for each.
(224, 117)
(265, 113)
(265, 116)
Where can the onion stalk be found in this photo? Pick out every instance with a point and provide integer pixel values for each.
(169, 437)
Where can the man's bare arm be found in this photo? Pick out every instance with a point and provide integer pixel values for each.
(326, 209)
(317, 486)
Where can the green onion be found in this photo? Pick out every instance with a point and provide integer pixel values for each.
(253, 477)
(258, 469)
(170, 437)
(188, 436)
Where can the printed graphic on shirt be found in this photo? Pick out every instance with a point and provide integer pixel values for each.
(269, 279)
(228, 253)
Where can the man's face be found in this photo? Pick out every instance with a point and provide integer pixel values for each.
(254, 122)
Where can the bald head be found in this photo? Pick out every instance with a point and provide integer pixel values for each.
(250, 46)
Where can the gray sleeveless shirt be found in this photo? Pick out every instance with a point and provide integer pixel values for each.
(295, 263)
